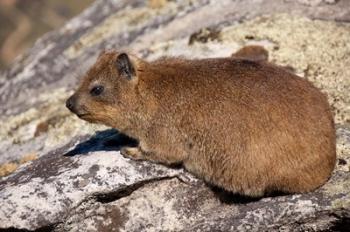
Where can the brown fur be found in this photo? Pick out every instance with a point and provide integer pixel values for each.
(248, 127)
(253, 53)
(256, 53)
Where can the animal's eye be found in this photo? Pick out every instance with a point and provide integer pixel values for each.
(97, 90)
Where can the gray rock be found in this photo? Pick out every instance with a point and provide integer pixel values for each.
(44, 192)
(80, 182)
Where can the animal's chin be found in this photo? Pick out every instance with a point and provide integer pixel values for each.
(87, 117)
(94, 118)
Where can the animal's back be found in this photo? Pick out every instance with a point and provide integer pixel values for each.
(249, 127)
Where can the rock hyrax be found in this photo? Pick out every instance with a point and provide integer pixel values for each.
(249, 127)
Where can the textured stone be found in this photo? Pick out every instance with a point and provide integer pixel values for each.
(43, 192)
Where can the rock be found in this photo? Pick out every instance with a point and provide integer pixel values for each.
(43, 192)
(68, 175)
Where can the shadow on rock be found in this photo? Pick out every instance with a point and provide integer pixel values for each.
(235, 198)
(107, 140)
(231, 198)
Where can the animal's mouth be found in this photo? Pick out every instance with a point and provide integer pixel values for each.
(84, 115)
(81, 113)
(87, 117)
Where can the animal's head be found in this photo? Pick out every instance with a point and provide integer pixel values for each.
(108, 93)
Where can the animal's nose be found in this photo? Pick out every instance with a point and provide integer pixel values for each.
(70, 103)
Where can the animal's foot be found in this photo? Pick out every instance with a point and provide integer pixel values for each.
(134, 153)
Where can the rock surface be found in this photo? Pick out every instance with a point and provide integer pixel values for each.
(80, 182)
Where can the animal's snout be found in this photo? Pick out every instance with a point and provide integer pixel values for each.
(71, 104)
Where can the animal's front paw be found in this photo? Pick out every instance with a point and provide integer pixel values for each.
(132, 152)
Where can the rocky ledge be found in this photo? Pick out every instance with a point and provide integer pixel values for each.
(62, 174)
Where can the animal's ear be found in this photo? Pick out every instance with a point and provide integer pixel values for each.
(125, 66)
